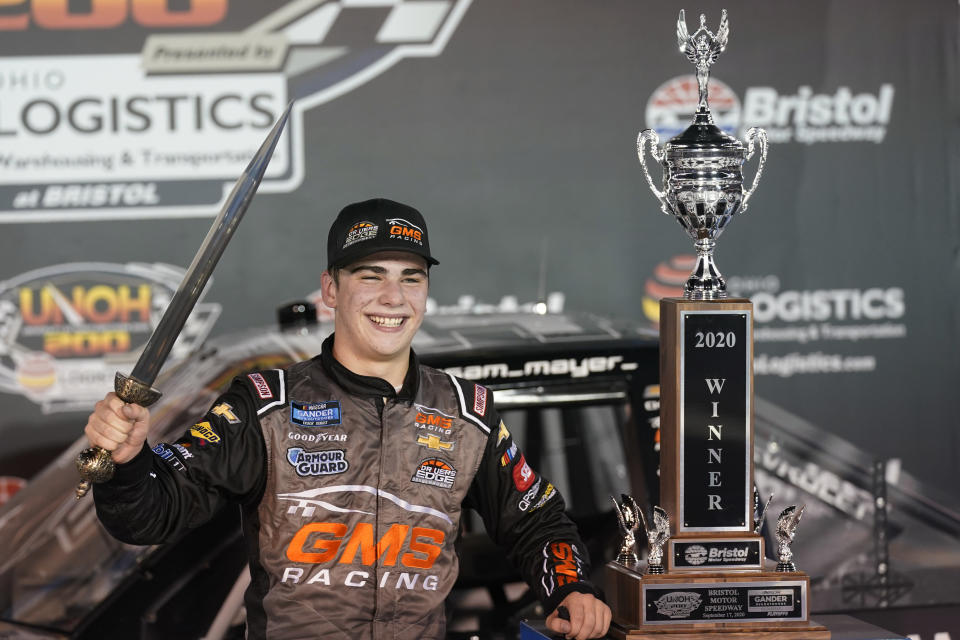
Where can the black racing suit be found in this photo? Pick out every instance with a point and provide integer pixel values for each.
(351, 496)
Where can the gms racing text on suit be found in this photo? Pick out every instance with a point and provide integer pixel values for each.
(351, 495)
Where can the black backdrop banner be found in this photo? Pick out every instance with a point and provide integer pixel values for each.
(512, 126)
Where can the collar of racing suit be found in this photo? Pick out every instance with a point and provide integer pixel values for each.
(370, 385)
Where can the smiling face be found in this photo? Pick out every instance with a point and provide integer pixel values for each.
(379, 302)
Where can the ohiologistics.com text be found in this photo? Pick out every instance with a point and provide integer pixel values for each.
(797, 363)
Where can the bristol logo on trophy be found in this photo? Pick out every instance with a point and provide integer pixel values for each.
(706, 570)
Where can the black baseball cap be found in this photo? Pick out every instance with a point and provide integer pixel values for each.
(363, 228)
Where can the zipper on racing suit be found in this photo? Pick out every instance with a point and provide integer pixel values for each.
(381, 406)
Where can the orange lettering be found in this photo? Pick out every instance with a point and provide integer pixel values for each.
(11, 22)
(362, 539)
(139, 304)
(319, 549)
(565, 566)
(156, 13)
(100, 304)
(430, 550)
(390, 544)
(103, 14)
(49, 312)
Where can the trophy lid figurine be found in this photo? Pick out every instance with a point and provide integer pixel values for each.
(702, 166)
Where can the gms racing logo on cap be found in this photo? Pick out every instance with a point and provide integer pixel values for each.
(405, 230)
(192, 89)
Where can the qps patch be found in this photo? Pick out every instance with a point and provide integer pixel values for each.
(203, 432)
(436, 473)
(169, 457)
(315, 414)
(317, 463)
(359, 232)
(523, 475)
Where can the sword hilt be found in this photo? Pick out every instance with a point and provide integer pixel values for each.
(95, 464)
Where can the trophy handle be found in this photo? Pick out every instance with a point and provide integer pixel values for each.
(649, 135)
(754, 133)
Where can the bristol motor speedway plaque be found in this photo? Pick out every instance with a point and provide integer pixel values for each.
(728, 601)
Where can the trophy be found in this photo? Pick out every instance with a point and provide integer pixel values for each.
(786, 529)
(656, 537)
(702, 167)
(629, 516)
(707, 572)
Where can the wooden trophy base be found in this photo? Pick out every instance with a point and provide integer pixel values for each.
(766, 605)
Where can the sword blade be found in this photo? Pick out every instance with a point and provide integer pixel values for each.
(158, 347)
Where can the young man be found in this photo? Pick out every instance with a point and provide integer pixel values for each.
(352, 469)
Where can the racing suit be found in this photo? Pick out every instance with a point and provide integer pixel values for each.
(351, 496)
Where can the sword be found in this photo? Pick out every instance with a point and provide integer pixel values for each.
(95, 463)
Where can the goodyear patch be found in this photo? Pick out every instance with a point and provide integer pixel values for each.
(169, 457)
(436, 473)
(315, 414)
(204, 433)
(317, 463)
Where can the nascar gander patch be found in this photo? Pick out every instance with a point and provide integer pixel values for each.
(436, 473)
(317, 463)
(315, 414)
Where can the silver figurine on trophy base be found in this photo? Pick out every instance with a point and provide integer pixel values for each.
(786, 529)
(630, 517)
(759, 513)
(656, 537)
(702, 167)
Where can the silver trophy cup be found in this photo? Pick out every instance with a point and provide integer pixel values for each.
(702, 183)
